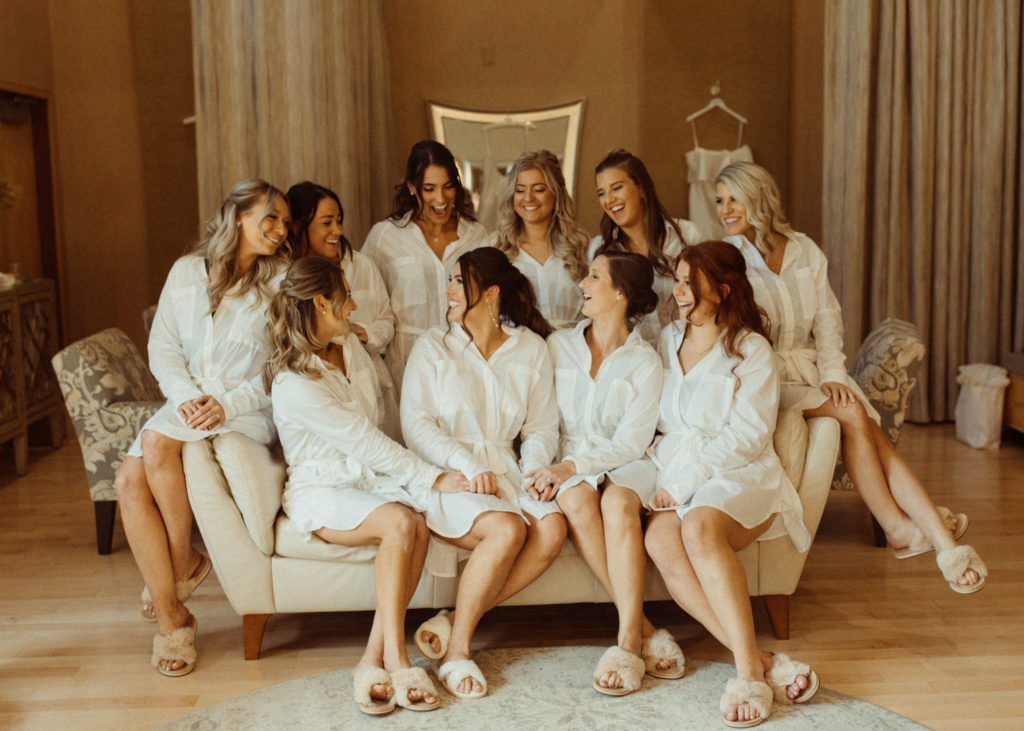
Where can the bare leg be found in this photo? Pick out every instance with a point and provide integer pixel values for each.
(165, 474)
(147, 536)
(627, 564)
(544, 539)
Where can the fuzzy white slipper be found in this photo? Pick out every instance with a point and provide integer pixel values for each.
(178, 645)
(784, 673)
(658, 647)
(954, 562)
(629, 667)
(182, 589)
(454, 672)
(440, 626)
(919, 544)
(404, 680)
(363, 680)
(754, 693)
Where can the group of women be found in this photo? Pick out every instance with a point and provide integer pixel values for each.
(622, 393)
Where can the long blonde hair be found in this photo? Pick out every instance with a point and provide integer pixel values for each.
(565, 237)
(293, 316)
(220, 242)
(754, 187)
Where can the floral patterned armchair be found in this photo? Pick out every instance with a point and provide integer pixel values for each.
(109, 393)
(886, 367)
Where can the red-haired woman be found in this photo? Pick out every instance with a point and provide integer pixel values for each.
(720, 484)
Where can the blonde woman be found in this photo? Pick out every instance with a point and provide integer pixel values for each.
(540, 236)
(635, 220)
(346, 479)
(208, 342)
(789, 274)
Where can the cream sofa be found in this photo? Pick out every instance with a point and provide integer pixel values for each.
(264, 567)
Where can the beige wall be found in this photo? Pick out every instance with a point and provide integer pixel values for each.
(806, 121)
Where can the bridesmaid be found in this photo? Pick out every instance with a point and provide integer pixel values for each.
(317, 218)
(346, 479)
(635, 220)
(789, 274)
(469, 392)
(608, 385)
(207, 344)
(720, 484)
(430, 226)
(540, 236)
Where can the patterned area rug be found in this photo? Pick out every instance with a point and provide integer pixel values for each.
(545, 688)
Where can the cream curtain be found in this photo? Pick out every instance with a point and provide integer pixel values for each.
(291, 91)
(923, 187)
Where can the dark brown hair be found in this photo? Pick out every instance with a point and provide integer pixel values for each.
(655, 215)
(303, 199)
(486, 267)
(422, 155)
(718, 270)
(633, 275)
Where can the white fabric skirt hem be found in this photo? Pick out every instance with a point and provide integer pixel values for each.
(337, 508)
(802, 397)
(167, 421)
(639, 476)
(452, 514)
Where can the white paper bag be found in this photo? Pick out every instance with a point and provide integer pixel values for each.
(979, 407)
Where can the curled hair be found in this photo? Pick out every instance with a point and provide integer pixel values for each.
(487, 267)
(754, 187)
(304, 199)
(655, 215)
(565, 236)
(718, 270)
(220, 242)
(633, 275)
(293, 316)
(424, 154)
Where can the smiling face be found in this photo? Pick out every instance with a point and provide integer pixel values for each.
(732, 213)
(323, 235)
(532, 200)
(456, 293)
(260, 235)
(620, 197)
(683, 293)
(332, 314)
(436, 195)
(600, 296)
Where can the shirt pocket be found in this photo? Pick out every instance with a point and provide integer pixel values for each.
(709, 407)
(807, 292)
(413, 280)
(614, 404)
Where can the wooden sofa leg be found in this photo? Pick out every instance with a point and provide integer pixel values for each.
(778, 612)
(252, 631)
(104, 510)
(879, 533)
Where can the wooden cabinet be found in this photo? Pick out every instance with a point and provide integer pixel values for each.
(1013, 410)
(28, 387)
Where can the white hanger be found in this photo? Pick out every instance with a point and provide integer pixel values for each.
(716, 103)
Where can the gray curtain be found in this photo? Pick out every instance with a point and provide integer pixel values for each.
(292, 91)
(923, 183)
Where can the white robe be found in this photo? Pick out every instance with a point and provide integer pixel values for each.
(717, 424)
(559, 297)
(415, 280)
(806, 321)
(607, 422)
(373, 314)
(194, 353)
(462, 412)
(666, 311)
(341, 466)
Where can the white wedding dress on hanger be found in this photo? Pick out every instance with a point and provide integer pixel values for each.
(702, 167)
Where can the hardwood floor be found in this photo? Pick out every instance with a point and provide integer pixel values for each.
(74, 653)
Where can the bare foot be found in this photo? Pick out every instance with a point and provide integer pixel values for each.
(180, 617)
(468, 685)
(378, 691)
(794, 689)
(429, 638)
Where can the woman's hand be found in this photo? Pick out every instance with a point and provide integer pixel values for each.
(662, 499)
(486, 483)
(839, 393)
(543, 484)
(451, 482)
(204, 413)
(360, 332)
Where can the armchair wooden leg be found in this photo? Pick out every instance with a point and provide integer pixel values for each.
(252, 631)
(879, 533)
(778, 612)
(105, 510)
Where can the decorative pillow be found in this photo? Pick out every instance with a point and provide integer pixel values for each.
(256, 477)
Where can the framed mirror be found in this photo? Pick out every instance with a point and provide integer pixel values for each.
(485, 144)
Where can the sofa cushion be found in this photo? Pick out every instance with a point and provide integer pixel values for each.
(256, 477)
(791, 444)
(292, 544)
